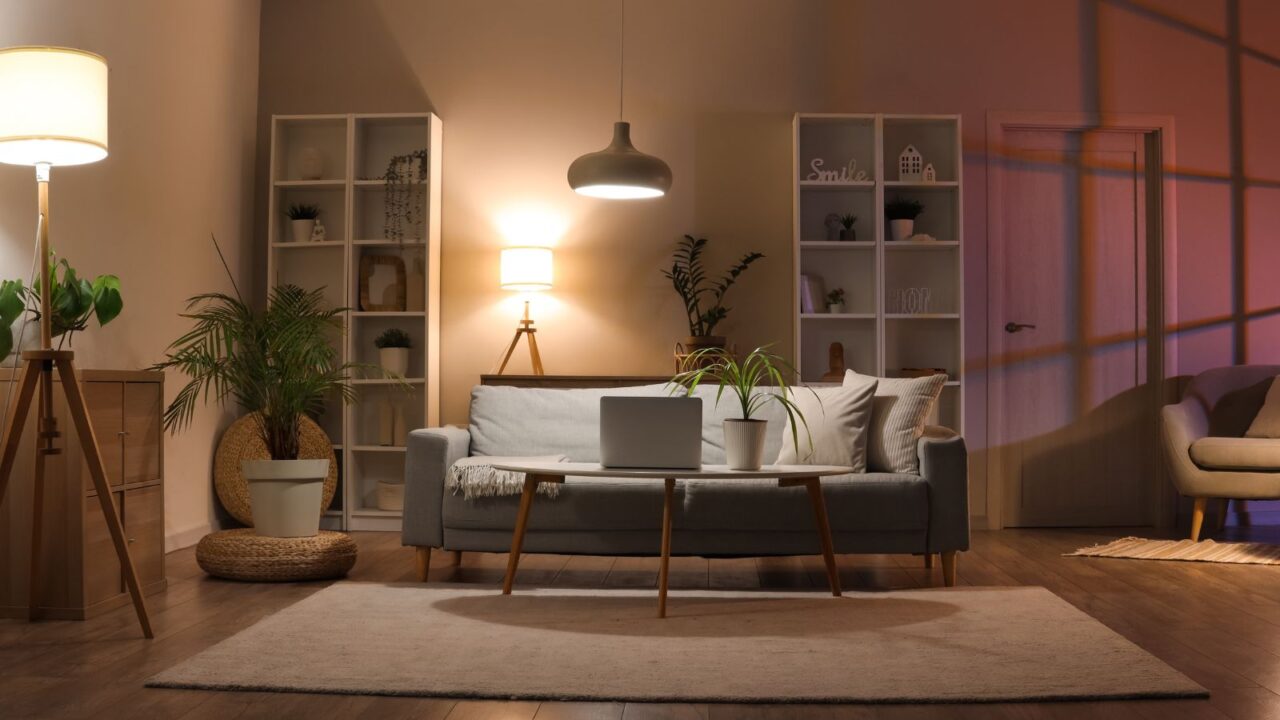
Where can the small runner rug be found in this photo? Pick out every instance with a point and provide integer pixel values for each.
(919, 646)
(1203, 551)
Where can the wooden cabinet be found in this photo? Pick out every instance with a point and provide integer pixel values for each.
(79, 575)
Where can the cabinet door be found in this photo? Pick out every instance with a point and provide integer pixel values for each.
(144, 530)
(102, 577)
(142, 432)
(104, 400)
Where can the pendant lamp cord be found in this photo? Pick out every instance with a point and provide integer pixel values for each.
(622, 44)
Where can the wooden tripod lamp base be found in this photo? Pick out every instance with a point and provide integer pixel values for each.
(525, 329)
(37, 369)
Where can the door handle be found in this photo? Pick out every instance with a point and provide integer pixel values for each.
(1013, 327)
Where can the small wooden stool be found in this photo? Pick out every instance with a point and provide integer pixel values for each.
(242, 554)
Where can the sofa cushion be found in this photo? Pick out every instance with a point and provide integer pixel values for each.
(834, 429)
(1231, 453)
(1266, 424)
(855, 503)
(898, 417)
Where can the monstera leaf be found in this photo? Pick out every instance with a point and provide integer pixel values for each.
(12, 302)
(72, 302)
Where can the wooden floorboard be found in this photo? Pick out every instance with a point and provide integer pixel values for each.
(1219, 624)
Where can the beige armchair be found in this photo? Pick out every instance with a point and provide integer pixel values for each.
(1203, 438)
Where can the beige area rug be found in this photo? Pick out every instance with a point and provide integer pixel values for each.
(957, 645)
(1203, 551)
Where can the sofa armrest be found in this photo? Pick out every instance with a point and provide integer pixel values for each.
(944, 464)
(430, 453)
(1181, 425)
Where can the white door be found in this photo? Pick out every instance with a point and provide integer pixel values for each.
(1072, 413)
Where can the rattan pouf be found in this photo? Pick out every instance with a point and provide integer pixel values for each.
(242, 554)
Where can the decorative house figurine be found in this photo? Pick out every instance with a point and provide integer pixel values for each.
(910, 164)
(930, 175)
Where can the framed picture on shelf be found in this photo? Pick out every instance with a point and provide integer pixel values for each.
(382, 283)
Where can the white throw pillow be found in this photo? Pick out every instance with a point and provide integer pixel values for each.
(838, 419)
(898, 416)
(1266, 424)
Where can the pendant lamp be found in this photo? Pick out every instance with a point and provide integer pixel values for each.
(620, 171)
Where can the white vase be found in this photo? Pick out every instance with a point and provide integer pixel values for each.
(902, 229)
(302, 229)
(835, 308)
(394, 360)
(310, 164)
(744, 443)
(286, 496)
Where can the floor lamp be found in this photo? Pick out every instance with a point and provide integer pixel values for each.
(525, 269)
(53, 111)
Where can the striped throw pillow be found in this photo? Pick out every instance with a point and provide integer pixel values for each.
(898, 416)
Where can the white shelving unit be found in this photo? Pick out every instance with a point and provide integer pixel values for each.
(877, 341)
(355, 150)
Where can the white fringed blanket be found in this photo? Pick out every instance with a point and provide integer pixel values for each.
(476, 477)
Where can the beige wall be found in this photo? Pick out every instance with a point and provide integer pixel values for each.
(182, 112)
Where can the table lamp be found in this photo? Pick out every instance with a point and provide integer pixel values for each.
(53, 111)
(525, 269)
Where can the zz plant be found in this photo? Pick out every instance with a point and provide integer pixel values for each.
(703, 298)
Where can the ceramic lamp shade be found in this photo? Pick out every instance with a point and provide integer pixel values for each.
(53, 106)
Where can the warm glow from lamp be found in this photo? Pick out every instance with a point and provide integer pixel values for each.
(526, 268)
(53, 106)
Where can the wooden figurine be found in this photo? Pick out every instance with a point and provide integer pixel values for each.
(835, 363)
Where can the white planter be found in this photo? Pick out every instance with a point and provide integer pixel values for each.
(301, 229)
(744, 443)
(394, 360)
(835, 308)
(902, 229)
(286, 495)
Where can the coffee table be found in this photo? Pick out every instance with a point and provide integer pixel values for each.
(809, 476)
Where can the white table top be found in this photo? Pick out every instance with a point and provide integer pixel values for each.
(708, 472)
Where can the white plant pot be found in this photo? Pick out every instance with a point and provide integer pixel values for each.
(744, 443)
(301, 229)
(902, 229)
(835, 308)
(286, 495)
(394, 360)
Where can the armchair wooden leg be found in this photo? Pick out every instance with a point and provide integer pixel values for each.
(949, 568)
(1197, 518)
(422, 560)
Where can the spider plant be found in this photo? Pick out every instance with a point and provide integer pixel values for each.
(743, 380)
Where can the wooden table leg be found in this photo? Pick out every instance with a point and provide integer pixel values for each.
(667, 495)
(824, 533)
(517, 538)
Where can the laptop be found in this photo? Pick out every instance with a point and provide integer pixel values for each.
(651, 432)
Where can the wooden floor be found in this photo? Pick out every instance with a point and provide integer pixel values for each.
(1219, 624)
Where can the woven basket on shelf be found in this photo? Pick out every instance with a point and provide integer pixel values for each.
(241, 554)
(241, 442)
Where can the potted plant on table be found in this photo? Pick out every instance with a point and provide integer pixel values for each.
(744, 436)
(902, 215)
(302, 220)
(279, 364)
(835, 301)
(393, 351)
(689, 279)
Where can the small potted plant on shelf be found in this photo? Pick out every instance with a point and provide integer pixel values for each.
(744, 436)
(835, 301)
(902, 215)
(279, 364)
(689, 279)
(847, 232)
(302, 220)
(393, 351)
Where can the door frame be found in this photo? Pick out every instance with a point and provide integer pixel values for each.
(1161, 279)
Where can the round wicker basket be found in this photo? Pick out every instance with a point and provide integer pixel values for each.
(241, 554)
(241, 442)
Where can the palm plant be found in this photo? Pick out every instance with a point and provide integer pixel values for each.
(278, 363)
(744, 379)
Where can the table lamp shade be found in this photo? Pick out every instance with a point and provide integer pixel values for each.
(526, 268)
(53, 106)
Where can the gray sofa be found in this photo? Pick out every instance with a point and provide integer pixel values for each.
(923, 513)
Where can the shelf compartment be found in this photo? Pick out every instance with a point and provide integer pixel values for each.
(837, 245)
(332, 202)
(815, 207)
(895, 245)
(327, 135)
(857, 335)
(921, 342)
(378, 139)
(370, 214)
(939, 219)
(414, 258)
(367, 470)
(322, 266)
(853, 271)
(373, 401)
(835, 141)
(936, 138)
(937, 271)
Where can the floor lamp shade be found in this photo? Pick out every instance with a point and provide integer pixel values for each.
(526, 268)
(53, 106)
(620, 171)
